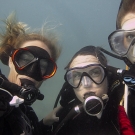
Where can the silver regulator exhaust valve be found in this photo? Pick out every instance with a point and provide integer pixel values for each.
(92, 105)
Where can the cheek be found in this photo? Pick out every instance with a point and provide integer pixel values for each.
(104, 87)
(13, 71)
(12, 77)
(79, 94)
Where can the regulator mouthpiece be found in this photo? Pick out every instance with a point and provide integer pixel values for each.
(29, 92)
(93, 105)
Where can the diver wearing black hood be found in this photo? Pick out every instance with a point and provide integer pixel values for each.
(89, 97)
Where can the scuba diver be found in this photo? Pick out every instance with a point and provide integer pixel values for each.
(122, 43)
(89, 98)
(31, 57)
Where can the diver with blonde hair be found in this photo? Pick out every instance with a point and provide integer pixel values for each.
(31, 57)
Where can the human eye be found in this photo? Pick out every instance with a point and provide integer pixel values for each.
(130, 36)
(76, 75)
(24, 58)
(95, 72)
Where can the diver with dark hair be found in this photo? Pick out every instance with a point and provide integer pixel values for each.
(89, 98)
(122, 43)
(31, 57)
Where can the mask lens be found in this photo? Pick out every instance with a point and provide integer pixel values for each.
(48, 68)
(94, 72)
(43, 66)
(97, 74)
(73, 77)
(22, 58)
(120, 41)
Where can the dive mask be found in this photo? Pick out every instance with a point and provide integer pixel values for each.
(34, 62)
(122, 42)
(85, 75)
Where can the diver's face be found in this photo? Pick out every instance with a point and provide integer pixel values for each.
(128, 23)
(14, 76)
(99, 90)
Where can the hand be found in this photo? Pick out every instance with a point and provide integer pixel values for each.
(51, 117)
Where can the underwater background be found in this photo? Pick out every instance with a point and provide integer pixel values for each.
(78, 23)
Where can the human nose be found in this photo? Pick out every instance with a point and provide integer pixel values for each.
(86, 81)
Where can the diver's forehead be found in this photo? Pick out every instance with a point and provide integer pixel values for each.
(83, 60)
(36, 43)
(128, 22)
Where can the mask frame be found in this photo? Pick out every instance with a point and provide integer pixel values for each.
(21, 68)
(86, 74)
(117, 38)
